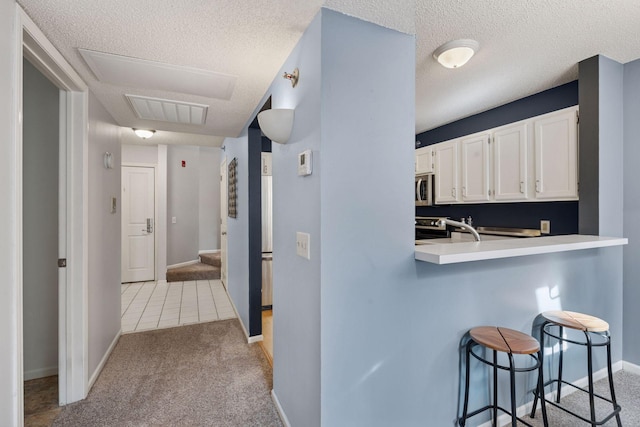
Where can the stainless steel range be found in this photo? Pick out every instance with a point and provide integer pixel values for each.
(427, 227)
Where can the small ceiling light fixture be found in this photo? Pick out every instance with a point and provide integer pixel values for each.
(293, 77)
(144, 133)
(456, 53)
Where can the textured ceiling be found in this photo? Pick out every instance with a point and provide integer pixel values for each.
(526, 46)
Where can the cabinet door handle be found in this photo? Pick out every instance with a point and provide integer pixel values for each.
(453, 192)
(418, 195)
(537, 185)
(464, 191)
(522, 187)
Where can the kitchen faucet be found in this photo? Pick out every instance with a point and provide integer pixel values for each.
(444, 221)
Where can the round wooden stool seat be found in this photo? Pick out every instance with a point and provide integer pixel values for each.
(505, 340)
(579, 321)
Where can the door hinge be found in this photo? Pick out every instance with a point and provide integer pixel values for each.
(62, 262)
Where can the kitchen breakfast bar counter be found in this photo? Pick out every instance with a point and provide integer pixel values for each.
(451, 253)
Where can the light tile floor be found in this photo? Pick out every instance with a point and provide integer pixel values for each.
(151, 305)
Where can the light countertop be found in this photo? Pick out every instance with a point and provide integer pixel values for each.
(450, 253)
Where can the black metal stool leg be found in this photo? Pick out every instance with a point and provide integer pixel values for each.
(495, 388)
(512, 380)
(592, 404)
(610, 371)
(541, 378)
(463, 420)
(543, 405)
(561, 351)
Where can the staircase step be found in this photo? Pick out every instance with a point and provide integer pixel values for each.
(211, 259)
(197, 271)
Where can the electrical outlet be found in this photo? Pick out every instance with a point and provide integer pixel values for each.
(545, 226)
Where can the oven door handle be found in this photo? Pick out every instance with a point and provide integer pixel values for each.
(418, 195)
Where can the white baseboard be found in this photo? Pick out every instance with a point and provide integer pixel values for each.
(256, 338)
(98, 370)
(183, 264)
(525, 409)
(631, 367)
(208, 251)
(283, 416)
(40, 373)
(250, 340)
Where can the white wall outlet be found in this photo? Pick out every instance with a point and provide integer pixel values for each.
(545, 226)
(173, 220)
(302, 245)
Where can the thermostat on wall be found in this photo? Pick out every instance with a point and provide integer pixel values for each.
(304, 163)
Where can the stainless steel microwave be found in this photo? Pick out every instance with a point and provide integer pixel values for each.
(424, 190)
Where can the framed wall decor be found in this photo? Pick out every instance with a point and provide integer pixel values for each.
(232, 189)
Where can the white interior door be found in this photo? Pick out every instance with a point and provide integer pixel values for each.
(223, 222)
(138, 224)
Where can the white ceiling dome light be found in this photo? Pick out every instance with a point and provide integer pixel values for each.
(456, 53)
(144, 133)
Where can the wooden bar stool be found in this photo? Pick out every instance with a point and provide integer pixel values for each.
(507, 341)
(592, 327)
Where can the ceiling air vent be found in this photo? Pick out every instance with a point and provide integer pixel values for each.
(165, 110)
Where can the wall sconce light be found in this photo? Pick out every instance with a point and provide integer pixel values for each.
(456, 53)
(276, 124)
(144, 133)
(293, 77)
(107, 158)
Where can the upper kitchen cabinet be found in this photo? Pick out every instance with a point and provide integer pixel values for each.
(424, 160)
(265, 165)
(510, 160)
(556, 155)
(446, 160)
(475, 168)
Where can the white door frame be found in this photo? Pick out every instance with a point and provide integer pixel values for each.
(156, 211)
(73, 302)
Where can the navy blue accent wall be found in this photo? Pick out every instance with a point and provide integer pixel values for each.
(563, 215)
(255, 233)
(553, 99)
(266, 145)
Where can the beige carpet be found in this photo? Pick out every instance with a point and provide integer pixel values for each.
(197, 375)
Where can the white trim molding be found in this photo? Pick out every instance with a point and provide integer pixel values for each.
(631, 367)
(73, 299)
(209, 251)
(183, 264)
(283, 416)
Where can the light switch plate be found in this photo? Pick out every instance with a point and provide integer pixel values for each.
(302, 245)
(173, 220)
(114, 203)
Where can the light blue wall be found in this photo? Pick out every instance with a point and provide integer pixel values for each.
(367, 214)
(631, 211)
(296, 207)
(238, 231)
(364, 335)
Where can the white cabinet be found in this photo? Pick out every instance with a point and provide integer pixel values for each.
(265, 165)
(446, 171)
(535, 159)
(510, 160)
(424, 160)
(475, 168)
(556, 155)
